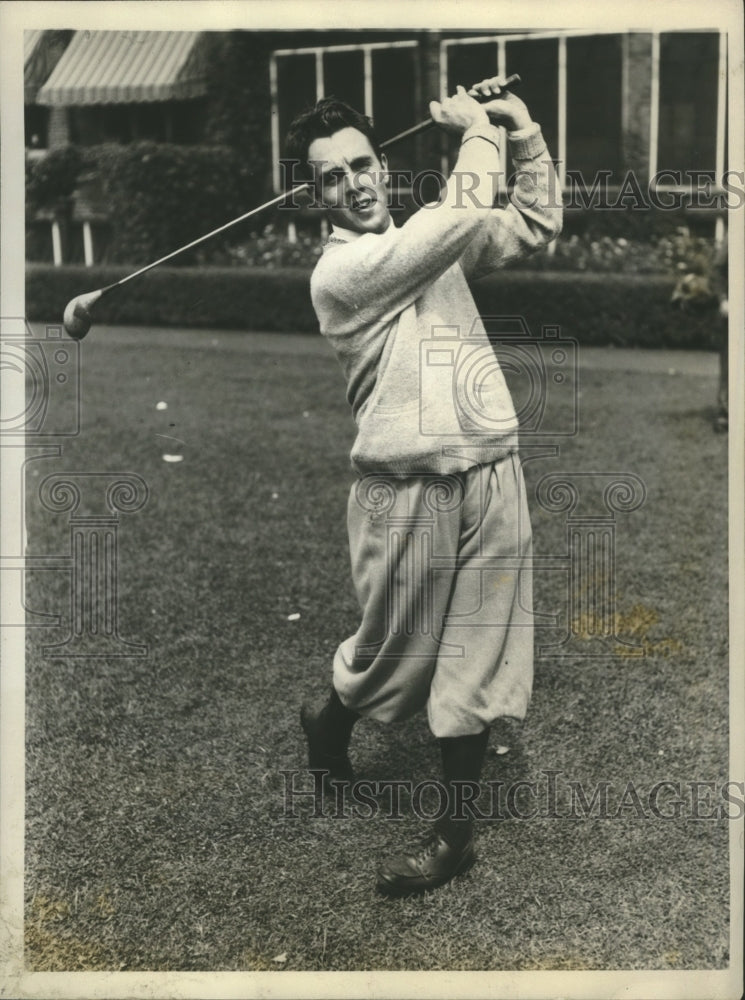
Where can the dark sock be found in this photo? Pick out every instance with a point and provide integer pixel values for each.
(336, 722)
(462, 760)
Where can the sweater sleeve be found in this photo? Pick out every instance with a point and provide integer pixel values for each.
(376, 276)
(533, 216)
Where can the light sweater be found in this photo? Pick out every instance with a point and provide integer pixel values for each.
(424, 384)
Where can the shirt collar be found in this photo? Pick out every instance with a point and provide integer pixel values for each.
(347, 235)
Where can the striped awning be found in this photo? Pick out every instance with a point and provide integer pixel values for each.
(126, 67)
(41, 52)
(30, 40)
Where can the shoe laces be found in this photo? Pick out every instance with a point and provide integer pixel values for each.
(428, 847)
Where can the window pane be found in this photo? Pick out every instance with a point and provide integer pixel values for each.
(36, 123)
(343, 77)
(594, 104)
(149, 121)
(467, 64)
(100, 123)
(689, 69)
(537, 63)
(296, 86)
(188, 120)
(396, 101)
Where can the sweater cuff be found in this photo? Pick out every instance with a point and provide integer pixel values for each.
(488, 132)
(527, 143)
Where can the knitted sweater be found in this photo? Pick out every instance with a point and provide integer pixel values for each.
(425, 386)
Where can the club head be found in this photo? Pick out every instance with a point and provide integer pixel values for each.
(77, 316)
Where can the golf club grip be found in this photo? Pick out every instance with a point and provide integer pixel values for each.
(512, 81)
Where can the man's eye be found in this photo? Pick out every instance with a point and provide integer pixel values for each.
(333, 178)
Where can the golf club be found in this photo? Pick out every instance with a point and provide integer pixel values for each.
(77, 314)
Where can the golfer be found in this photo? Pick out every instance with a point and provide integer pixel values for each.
(439, 531)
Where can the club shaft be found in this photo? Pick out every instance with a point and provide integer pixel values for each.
(511, 81)
(207, 236)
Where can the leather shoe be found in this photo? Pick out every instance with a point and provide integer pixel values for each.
(337, 766)
(425, 867)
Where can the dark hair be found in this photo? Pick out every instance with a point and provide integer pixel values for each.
(327, 117)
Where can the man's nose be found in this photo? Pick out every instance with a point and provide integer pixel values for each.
(361, 184)
(355, 180)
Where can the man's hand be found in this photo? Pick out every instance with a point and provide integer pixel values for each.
(458, 113)
(506, 109)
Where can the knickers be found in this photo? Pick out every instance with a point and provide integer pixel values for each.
(442, 570)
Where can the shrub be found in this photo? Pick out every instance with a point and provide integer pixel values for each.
(161, 196)
(52, 178)
(595, 309)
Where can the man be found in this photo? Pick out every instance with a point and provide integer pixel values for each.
(438, 525)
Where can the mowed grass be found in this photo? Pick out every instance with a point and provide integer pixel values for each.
(157, 830)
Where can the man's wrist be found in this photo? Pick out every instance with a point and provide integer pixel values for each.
(484, 130)
(525, 131)
(516, 124)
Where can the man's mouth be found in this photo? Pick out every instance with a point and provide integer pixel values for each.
(362, 204)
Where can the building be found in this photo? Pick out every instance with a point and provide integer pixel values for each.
(608, 102)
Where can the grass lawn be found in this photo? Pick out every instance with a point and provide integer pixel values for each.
(157, 835)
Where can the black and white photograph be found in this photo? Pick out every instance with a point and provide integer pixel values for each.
(372, 458)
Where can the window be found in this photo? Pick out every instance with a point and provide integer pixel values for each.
(570, 81)
(296, 91)
(157, 121)
(537, 62)
(344, 77)
(594, 104)
(36, 124)
(467, 64)
(380, 79)
(397, 103)
(689, 68)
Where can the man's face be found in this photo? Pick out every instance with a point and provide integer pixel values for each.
(349, 181)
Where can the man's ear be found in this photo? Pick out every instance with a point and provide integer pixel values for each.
(384, 165)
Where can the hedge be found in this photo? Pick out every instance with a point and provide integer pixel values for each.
(219, 298)
(596, 309)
